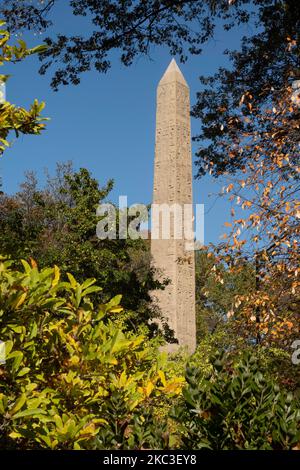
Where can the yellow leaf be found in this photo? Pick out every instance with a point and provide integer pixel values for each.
(56, 276)
(74, 360)
(33, 263)
(20, 300)
(134, 404)
(162, 377)
(89, 430)
(112, 360)
(15, 435)
(19, 403)
(116, 310)
(149, 389)
(72, 280)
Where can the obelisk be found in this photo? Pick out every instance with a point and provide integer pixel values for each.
(173, 257)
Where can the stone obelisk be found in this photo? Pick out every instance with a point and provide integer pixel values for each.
(174, 257)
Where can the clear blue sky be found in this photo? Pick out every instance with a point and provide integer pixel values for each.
(107, 123)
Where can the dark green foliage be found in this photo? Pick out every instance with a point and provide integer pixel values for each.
(234, 406)
(57, 225)
(138, 431)
(215, 299)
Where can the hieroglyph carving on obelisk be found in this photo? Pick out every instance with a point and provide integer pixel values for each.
(174, 257)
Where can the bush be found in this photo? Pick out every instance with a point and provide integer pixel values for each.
(72, 378)
(234, 406)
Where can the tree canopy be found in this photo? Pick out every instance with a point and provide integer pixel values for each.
(266, 64)
(129, 27)
(80, 364)
(262, 73)
(57, 225)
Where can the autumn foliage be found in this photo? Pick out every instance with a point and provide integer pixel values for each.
(265, 216)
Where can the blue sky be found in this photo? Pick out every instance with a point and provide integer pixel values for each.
(107, 123)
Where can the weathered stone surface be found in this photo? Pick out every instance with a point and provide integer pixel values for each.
(173, 185)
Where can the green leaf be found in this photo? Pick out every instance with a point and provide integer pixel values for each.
(39, 49)
(19, 404)
(114, 302)
(8, 347)
(72, 280)
(91, 290)
(29, 412)
(23, 371)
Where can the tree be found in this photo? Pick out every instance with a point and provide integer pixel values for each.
(13, 118)
(216, 288)
(131, 28)
(57, 225)
(261, 74)
(265, 230)
(250, 136)
(267, 62)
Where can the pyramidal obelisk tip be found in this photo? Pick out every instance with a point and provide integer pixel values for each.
(173, 66)
(173, 74)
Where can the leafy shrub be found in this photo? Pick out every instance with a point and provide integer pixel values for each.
(72, 378)
(234, 406)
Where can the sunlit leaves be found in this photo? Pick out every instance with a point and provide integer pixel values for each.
(266, 192)
(68, 364)
(14, 118)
